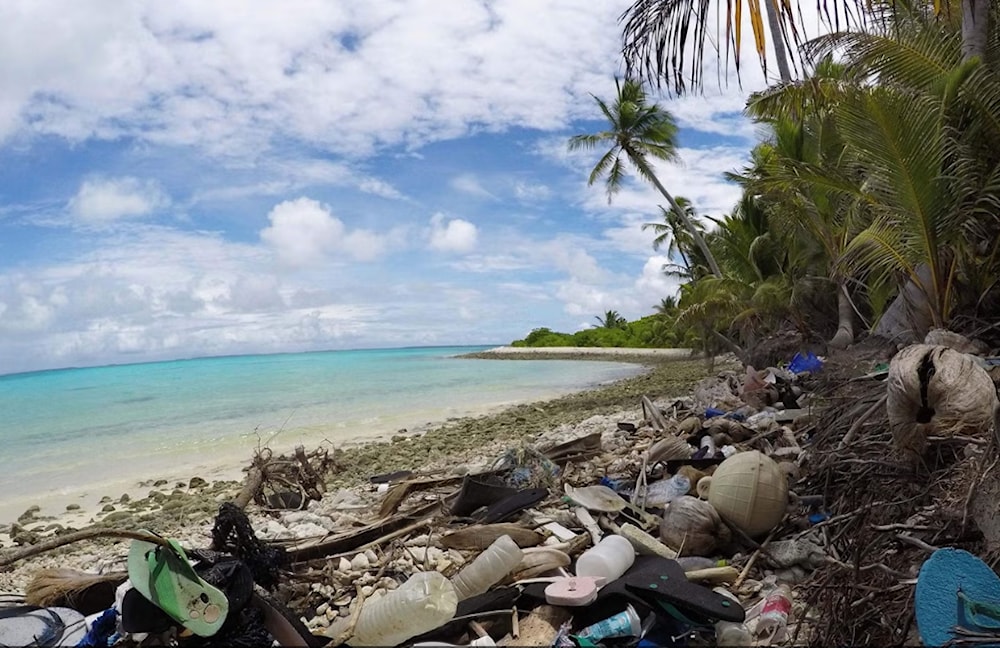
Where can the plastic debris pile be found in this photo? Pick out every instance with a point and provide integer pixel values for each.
(784, 505)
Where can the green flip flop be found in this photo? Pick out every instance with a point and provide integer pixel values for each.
(165, 577)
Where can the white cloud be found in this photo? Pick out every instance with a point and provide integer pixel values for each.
(654, 282)
(194, 73)
(304, 233)
(469, 184)
(104, 200)
(380, 188)
(455, 235)
(532, 192)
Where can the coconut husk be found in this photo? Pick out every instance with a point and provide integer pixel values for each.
(693, 475)
(481, 536)
(669, 448)
(693, 527)
(85, 592)
(935, 390)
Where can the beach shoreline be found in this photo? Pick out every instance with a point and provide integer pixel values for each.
(170, 505)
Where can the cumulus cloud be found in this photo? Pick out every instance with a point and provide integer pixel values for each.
(303, 232)
(105, 200)
(455, 235)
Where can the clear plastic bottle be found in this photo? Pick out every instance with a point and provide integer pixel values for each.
(609, 559)
(424, 602)
(667, 490)
(775, 613)
(499, 559)
(730, 633)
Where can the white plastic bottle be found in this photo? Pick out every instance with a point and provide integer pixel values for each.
(424, 602)
(667, 490)
(609, 559)
(730, 633)
(499, 559)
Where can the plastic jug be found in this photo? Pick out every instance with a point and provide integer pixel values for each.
(499, 559)
(609, 559)
(424, 602)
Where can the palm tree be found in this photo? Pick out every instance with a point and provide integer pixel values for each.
(658, 33)
(672, 234)
(804, 135)
(611, 320)
(666, 306)
(638, 130)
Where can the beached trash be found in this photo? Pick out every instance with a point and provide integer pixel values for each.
(479, 537)
(935, 390)
(596, 498)
(693, 527)
(748, 490)
(609, 559)
(426, 601)
(498, 560)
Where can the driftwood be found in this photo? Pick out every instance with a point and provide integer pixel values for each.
(479, 537)
(366, 535)
(652, 413)
(86, 534)
(399, 492)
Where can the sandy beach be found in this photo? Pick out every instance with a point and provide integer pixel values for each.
(178, 505)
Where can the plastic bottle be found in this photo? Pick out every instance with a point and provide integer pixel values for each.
(730, 633)
(708, 443)
(667, 490)
(499, 559)
(424, 602)
(609, 559)
(775, 612)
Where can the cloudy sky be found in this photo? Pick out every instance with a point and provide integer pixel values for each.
(193, 178)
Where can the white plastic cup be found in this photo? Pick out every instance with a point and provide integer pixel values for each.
(609, 559)
(426, 601)
(499, 559)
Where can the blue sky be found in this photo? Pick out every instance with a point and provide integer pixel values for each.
(193, 178)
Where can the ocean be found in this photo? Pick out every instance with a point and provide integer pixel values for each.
(79, 432)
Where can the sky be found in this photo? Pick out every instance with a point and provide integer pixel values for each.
(190, 178)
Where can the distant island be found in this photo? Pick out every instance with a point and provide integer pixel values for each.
(651, 332)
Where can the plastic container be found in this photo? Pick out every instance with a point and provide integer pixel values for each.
(609, 559)
(730, 633)
(667, 490)
(708, 443)
(775, 612)
(426, 601)
(499, 559)
(623, 624)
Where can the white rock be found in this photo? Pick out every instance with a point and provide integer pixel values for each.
(344, 565)
(372, 558)
(308, 530)
(367, 590)
(360, 562)
(322, 608)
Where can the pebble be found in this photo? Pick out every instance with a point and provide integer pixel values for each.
(372, 558)
(322, 608)
(360, 562)
(344, 565)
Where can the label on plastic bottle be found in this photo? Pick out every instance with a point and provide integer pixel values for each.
(776, 606)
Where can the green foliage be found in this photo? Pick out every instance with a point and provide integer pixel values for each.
(652, 331)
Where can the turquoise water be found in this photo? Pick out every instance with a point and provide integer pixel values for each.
(66, 429)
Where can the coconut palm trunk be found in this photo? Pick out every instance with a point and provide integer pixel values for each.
(845, 318)
(780, 53)
(975, 28)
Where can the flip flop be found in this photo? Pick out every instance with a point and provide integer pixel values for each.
(166, 578)
(956, 590)
(477, 492)
(510, 506)
(659, 585)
